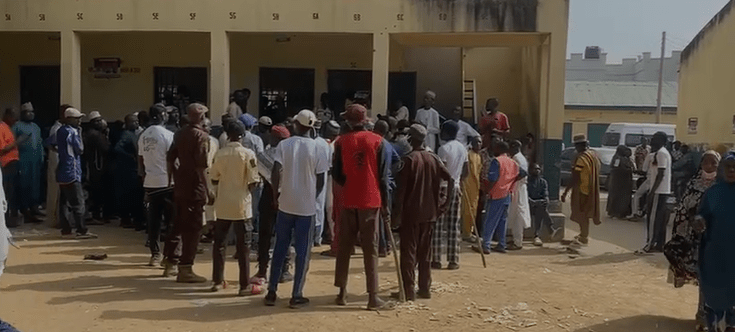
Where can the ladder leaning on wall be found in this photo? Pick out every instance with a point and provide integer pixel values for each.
(469, 100)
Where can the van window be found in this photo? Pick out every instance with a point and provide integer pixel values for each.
(633, 140)
(611, 139)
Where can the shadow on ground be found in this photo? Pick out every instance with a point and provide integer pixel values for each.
(642, 323)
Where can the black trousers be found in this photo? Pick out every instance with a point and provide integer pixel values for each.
(540, 216)
(159, 202)
(480, 216)
(266, 230)
(243, 234)
(657, 220)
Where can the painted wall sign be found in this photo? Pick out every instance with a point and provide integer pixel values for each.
(692, 126)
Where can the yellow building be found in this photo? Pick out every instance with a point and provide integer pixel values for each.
(590, 107)
(119, 57)
(706, 78)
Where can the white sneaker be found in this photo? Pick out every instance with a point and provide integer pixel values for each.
(85, 236)
(537, 242)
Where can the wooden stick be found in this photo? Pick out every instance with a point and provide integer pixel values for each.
(401, 291)
(479, 245)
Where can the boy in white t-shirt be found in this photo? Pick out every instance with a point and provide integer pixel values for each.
(660, 174)
(153, 144)
(300, 173)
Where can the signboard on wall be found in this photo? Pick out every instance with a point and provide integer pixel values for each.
(106, 67)
(692, 125)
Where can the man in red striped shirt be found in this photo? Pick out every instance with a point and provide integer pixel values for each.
(360, 167)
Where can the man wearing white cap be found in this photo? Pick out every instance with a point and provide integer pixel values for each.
(429, 118)
(299, 171)
(69, 176)
(95, 157)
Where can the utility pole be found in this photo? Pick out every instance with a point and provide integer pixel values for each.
(661, 79)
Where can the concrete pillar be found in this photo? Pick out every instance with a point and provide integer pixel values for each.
(381, 67)
(71, 69)
(219, 75)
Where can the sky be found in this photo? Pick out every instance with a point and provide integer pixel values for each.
(627, 28)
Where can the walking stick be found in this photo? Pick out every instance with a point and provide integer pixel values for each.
(401, 291)
(479, 246)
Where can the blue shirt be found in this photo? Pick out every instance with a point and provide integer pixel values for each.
(393, 159)
(70, 148)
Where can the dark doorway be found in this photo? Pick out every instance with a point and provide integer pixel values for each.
(344, 83)
(402, 86)
(567, 134)
(180, 86)
(41, 86)
(285, 91)
(595, 131)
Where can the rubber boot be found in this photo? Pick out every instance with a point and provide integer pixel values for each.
(187, 276)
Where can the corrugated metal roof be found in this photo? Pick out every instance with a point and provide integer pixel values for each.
(619, 94)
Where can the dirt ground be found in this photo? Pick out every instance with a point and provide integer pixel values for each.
(49, 287)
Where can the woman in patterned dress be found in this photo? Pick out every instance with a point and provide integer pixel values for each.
(682, 250)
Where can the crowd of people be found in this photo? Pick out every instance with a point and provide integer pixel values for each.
(304, 181)
(350, 180)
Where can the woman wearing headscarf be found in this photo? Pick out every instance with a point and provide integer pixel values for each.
(682, 250)
(620, 185)
(716, 261)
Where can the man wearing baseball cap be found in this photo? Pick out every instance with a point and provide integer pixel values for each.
(69, 176)
(298, 171)
(191, 192)
(360, 166)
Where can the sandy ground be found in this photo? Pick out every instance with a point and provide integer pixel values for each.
(49, 287)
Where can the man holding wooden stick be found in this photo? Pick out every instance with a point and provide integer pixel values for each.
(361, 168)
(419, 181)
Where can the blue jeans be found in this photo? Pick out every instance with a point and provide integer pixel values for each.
(496, 218)
(302, 229)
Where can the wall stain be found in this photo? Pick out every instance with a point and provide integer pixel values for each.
(477, 15)
(713, 23)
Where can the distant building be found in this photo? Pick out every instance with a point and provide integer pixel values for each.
(707, 77)
(593, 66)
(598, 94)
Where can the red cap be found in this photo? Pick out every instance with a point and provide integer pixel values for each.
(280, 132)
(355, 114)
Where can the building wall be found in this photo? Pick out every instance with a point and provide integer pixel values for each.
(439, 70)
(144, 50)
(23, 49)
(706, 81)
(644, 69)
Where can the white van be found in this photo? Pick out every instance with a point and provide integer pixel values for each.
(629, 134)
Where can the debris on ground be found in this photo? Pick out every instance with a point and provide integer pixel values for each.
(95, 257)
(440, 287)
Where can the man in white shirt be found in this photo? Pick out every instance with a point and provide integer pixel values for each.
(429, 118)
(153, 144)
(325, 152)
(519, 212)
(447, 231)
(401, 111)
(299, 171)
(466, 132)
(658, 214)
